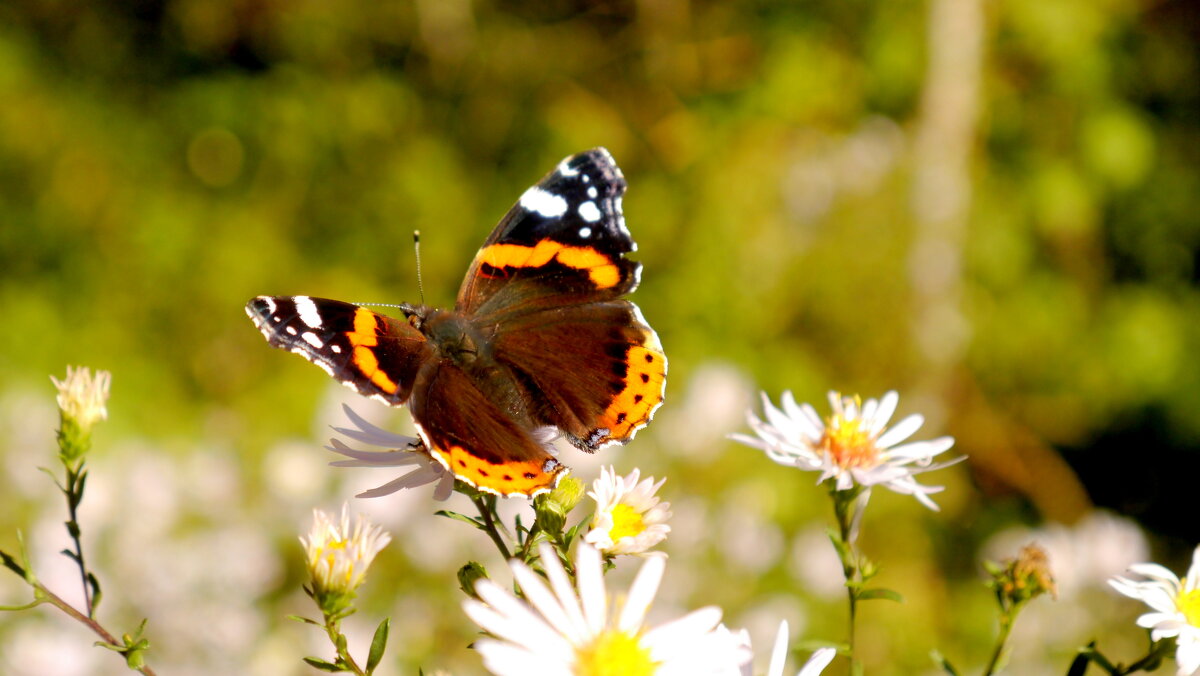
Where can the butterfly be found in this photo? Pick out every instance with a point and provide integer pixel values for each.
(540, 339)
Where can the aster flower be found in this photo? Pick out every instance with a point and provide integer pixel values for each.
(83, 398)
(338, 557)
(568, 631)
(629, 518)
(1176, 607)
(853, 446)
(406, 452)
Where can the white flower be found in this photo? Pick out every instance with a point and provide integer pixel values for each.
(629, 518)
(813, 667)
(562, 631)
(1176, 608)
(406, 451)
(853, 446)
(81, 397)
(338, 557)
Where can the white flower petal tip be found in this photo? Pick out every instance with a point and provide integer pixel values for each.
(1176, 604)
(854, 446)
(629, 518)
(570, 629)
(403, 451)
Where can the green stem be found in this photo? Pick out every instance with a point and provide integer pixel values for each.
(54, 600)
(74, 494)
(843, 502)
(489, 522)
(1006, 624)
(333, 629)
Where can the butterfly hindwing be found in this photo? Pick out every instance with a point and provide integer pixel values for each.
(562, 243)
(376, 355)
(598, 369)
(476, 440)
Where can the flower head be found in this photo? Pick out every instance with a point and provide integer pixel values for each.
(406, 451)
(629, 518)
(338, 557)
(82, 401)
(1176, 607)
(853, 446)
(582, 632)
(1025, 577)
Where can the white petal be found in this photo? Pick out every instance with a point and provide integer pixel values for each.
(818, 662)
(505, 659)
(671, 638)
(562, 586)
(810, 429)
(590, 580)
(887, 407)
(1193, 574)
(641, 594)
(900, 431)
(541, 598)
(779, 652)
(1188, 658)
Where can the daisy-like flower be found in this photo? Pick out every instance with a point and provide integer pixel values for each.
(1176, 607)
(338, 557)
(406, 452)
(629, 518)
(82, 397)
(853, 446)
(564, 631)
(813, 667)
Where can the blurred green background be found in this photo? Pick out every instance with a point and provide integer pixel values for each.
(989, 206)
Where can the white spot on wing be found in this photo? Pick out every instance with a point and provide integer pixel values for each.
(308, 311)
(544, 203)
(589, 212)
(337, 349)
(585, 232)
(565, 169)
(290, 329)
(592, 192)
(312, 339)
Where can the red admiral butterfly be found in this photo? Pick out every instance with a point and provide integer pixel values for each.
(539, 338)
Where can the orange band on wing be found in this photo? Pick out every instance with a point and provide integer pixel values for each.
(633, 407)
(600, 267)
(524, 477)
(363, 338)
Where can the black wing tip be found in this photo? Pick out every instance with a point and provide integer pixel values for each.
(599, 160)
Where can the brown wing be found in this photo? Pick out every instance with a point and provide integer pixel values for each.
(476, 440)
(598, 369)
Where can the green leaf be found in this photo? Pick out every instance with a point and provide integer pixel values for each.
(305, 620)
(378, 645)
(880, 593)
(461, 517)
(944, 663)
(11, 563)
(323, 665)
(97, 594)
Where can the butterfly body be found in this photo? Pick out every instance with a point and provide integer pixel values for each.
(539, 339)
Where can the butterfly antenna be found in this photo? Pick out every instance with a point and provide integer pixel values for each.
(417, 249)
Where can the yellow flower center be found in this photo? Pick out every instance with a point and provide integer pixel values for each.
(1188, 603)
(627, 521)
(848, 444)
(615, 653)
